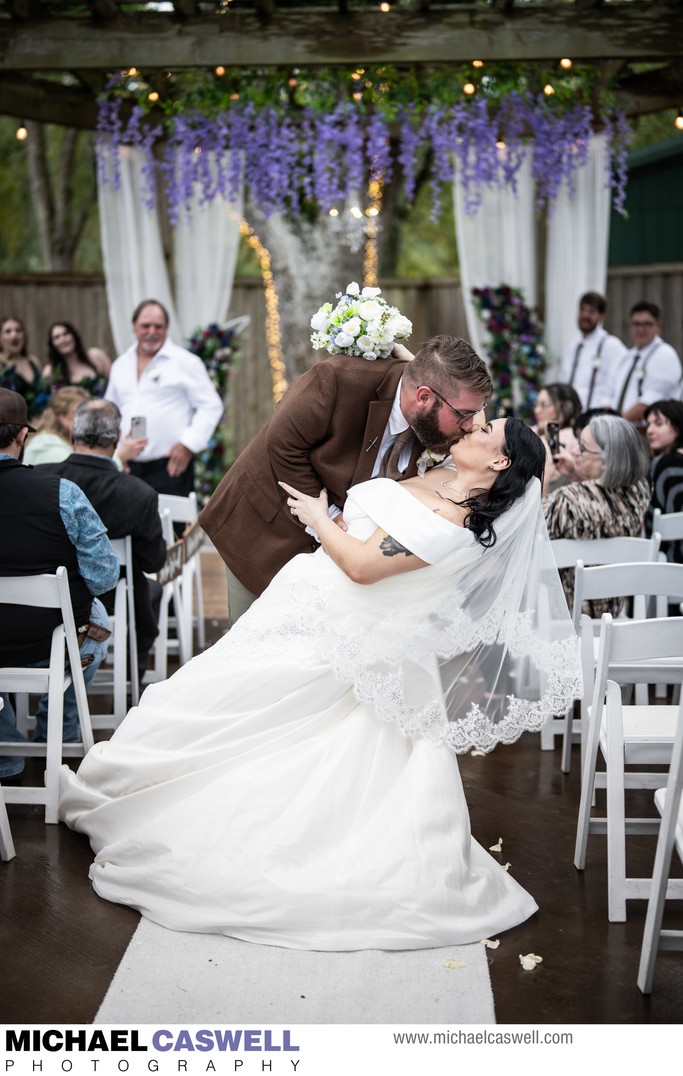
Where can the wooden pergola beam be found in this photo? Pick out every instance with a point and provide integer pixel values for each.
(32, 99)
(317, 36)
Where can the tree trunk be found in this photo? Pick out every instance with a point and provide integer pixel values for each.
(60, 212)
(310, 263)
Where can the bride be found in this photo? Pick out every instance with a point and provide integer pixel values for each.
(297, 784)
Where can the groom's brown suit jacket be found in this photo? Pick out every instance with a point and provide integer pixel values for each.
(325, 433)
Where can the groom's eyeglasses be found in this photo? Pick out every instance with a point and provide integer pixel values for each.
(462, 416)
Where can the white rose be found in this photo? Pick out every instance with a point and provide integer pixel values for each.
(370, 293)
(370, 310)
(319, 321)
(342, 340)
(402, 326)
(365, 343)
(353, 288)
(352, 326)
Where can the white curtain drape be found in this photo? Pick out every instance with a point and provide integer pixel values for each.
(205, 248)
(132, 250)
(496, 245)
(577, 248)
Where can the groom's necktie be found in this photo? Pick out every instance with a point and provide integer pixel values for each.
(389, 466)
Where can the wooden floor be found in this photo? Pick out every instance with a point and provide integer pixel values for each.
(61, 944)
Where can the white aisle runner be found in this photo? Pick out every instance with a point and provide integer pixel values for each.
(193, 978)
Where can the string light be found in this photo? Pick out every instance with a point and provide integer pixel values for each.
(477, 63)
(385, 7)
(469, 88)
(370, 254)
(678, 122)
(566, 63)
(153, 96)
(548, 90)
(22, 133)
(273, 338)
(220, 71)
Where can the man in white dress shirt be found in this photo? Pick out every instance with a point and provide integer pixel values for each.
(170, 388)
(593, 357)
(650, 370)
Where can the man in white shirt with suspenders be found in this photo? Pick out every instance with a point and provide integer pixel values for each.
(593, 357)
(649, 371)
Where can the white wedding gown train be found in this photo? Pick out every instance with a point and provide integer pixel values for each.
(253, 794)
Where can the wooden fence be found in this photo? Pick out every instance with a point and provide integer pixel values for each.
(432, 305)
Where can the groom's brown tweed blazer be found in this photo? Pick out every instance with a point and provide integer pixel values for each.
(325, 432)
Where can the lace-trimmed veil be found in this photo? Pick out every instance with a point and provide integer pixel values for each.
(471, 651)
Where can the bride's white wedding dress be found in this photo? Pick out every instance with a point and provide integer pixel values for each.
(256, 794)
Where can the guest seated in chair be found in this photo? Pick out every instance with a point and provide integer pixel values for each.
(664, 432)
(126, 505)
(610, 495)
(45, 522)
(557, 404)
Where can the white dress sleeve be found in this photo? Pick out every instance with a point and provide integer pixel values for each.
(428, 535)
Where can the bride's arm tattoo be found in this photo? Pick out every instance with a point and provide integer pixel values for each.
(390, 547)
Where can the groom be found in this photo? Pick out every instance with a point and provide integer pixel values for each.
(336, 426)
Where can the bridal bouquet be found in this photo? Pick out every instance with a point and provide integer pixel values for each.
(362, 324)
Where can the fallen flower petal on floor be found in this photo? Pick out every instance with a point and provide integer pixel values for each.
(530, 961)
(506, 866)
(497, 847)
(490, 943)
(478, 754)
(452, 964)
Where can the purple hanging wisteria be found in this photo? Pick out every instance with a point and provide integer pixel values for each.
(291, 159)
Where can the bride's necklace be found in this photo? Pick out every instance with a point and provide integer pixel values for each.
(460, 492)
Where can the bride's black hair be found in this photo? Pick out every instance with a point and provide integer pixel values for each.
(526, 453)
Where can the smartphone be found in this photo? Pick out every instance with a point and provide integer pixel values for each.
(552, 433)
(138, 426)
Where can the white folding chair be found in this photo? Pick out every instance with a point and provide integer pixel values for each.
(669, 803)
(47, 592)
(7, 851)
(185, 510)
(641, 582)
(631, 652)
(118, 673)
(172, 591)
(567, 551)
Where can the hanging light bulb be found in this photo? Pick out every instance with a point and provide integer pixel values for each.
(566, 63)
(21, 133)
(678, 122)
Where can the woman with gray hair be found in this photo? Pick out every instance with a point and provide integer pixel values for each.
(612, 492)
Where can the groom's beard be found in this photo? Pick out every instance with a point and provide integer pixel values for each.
(426, 427)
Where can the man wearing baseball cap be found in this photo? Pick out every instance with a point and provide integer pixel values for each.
(46, 521)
